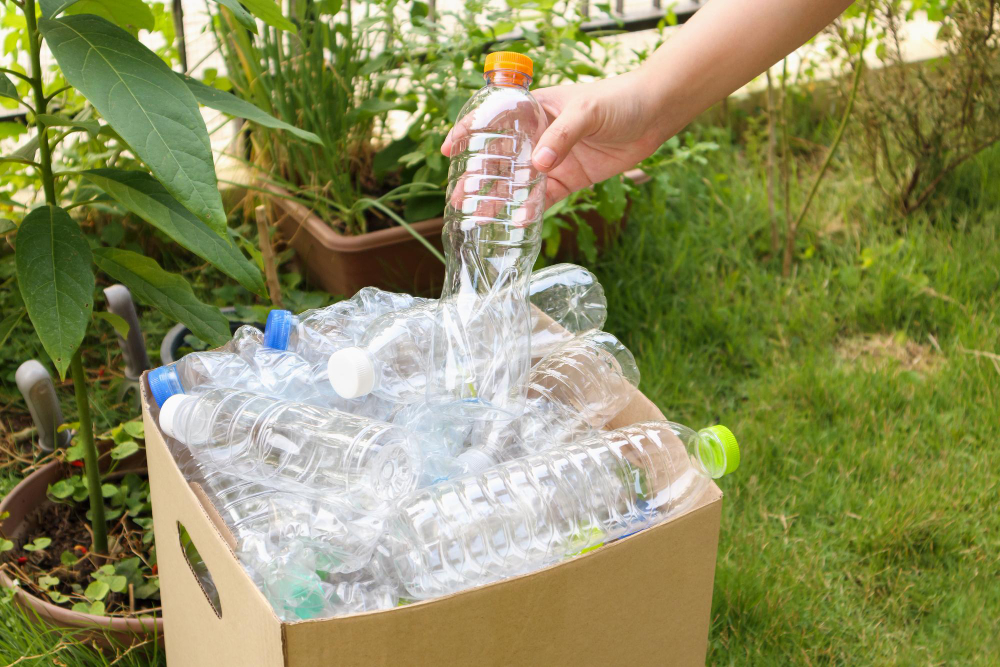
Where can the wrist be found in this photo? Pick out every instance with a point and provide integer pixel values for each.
(662, 99)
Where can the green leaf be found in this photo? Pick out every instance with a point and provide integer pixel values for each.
(116, 321)
(5, 545)
(75, 452)
(56, 279)
(144, 196)
(142, 99)
(8, 89)
(611, 200)
(117, 583)
(424, 206)
(82, 607)
(234, 106)
(68, 559)
(169, 293)
(97, 590)
(91, 127)
(8, 324)
(148, 589)
(46, 581)
(243, 17)
(51, 8)
(135, 429)
(61, 489)
(269, 12)
(42, 542)
(6, 226)
(124, 450)
(108, 490)
(120, 12)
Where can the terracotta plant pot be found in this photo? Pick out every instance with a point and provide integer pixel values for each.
(392, 258)
(21, 503)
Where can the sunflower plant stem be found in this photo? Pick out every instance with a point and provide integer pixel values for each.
(35, 44)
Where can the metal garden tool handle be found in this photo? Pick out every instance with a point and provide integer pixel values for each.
(133, 347)
(39, 393)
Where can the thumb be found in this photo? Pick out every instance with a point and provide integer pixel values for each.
(560, 137)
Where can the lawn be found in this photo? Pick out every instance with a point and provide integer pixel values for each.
(865, 390)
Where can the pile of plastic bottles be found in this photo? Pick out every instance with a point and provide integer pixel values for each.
(390, 448)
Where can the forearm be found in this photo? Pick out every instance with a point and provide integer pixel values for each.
(722, 47)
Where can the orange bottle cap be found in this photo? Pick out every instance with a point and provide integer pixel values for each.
(509, 60)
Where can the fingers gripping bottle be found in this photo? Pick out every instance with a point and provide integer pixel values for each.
(533, 511)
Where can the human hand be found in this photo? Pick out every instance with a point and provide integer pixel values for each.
(595, 130)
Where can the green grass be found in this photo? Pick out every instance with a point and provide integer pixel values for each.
(861, 527)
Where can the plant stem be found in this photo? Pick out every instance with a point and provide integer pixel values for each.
(790, 236)
(91, 472)
(771, 142)
(86, 434)
(34, 43)
(267, 253)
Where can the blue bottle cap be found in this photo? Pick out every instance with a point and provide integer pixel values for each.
(277, 329)
(164, 382)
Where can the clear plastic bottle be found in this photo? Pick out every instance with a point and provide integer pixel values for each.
(495, 195)
(316, 334)
(569, 294)
(581, 386)
(530, 512)
(365, 462)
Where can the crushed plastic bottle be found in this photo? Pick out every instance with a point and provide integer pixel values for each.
(298, 446)
(530, 512)
(580, 387)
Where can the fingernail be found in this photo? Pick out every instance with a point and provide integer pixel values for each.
(544, 157)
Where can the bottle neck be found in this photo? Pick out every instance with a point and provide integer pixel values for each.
(508, 78)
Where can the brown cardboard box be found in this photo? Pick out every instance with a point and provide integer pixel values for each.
(644, 600)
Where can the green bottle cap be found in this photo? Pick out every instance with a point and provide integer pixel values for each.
(718, 451)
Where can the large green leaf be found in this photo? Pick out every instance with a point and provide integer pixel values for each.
(52, 7)
(56, 279)
(234, 106)
(143, 100)
(165, 291)
(242, 16)
(143, 195)
(269, 12)
(120, 12)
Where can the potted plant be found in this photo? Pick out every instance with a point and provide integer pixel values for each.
(157, 165)
(381, 90)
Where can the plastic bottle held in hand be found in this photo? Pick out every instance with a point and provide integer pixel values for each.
(581, 386)
(495, 195)
(533, 511)
(367, 462)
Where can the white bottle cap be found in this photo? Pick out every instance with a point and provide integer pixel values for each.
(476, 460)
(351, 372)
(168, 413)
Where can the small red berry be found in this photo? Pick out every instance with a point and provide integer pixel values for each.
(100, 373)
(22, 560)
(76, 464)
(81, 549)
(155, 569)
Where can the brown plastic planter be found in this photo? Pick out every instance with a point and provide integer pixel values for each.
(21, 502)
(392, 258)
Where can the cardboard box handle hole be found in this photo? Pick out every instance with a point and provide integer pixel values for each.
(199, 569)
